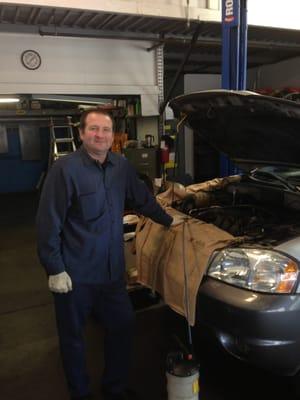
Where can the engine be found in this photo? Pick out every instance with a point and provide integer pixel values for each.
(259, 213)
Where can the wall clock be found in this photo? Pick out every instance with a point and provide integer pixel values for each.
(31, 59)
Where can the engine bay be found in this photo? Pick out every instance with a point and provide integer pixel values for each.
(264, 214)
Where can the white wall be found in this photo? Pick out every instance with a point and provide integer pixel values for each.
(80, 66)
(278, 76)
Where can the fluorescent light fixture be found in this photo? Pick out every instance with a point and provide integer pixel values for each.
(72, 99)
(4, 99)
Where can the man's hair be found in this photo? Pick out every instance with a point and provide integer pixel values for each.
(85, 114)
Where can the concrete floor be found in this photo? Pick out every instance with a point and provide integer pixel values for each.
(30, 367)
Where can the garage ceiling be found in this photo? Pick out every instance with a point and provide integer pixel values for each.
(265, 45)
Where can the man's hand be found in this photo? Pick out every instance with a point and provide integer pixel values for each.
(60, 283)
(178, 219)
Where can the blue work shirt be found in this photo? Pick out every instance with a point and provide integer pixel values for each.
(80, 216)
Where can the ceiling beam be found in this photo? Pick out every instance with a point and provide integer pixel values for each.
(76, 21)
(105, 22)
(31, 15)
(2, 9)
(126, 21)
(117, 18)
(16, 14)
(180, 40)
(51, 18)
(64, 18)
(37, 16)
(139, 21)
(2, 13)
(93, 18)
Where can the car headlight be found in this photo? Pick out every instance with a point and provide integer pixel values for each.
(255, 269)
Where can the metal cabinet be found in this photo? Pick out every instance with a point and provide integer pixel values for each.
(145, 160)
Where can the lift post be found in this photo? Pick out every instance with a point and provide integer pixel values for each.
(234, 55)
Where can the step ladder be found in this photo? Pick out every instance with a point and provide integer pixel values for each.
(61, 139)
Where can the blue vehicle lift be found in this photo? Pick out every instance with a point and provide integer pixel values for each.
(234, 56)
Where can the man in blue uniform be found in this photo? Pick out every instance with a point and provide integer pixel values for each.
(80, 244)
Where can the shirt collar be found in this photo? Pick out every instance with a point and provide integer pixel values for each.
(88, 160)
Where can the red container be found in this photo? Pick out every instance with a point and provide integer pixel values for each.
(164, 155)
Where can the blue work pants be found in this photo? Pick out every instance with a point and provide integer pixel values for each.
(111, 306)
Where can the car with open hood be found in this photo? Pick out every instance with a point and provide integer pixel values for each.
(249, 298)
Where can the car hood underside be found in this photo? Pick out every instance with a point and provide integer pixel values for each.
(252, 130)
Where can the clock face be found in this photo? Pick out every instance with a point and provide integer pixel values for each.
(31, 59)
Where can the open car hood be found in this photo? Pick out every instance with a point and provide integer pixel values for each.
(251, 129)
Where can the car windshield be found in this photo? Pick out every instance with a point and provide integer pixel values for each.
(283, 176)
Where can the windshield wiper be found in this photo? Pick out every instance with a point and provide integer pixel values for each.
(275, 176)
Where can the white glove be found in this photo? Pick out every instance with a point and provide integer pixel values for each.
(60, 283)
(178, 219)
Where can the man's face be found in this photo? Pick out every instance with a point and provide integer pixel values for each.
(97, 136)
